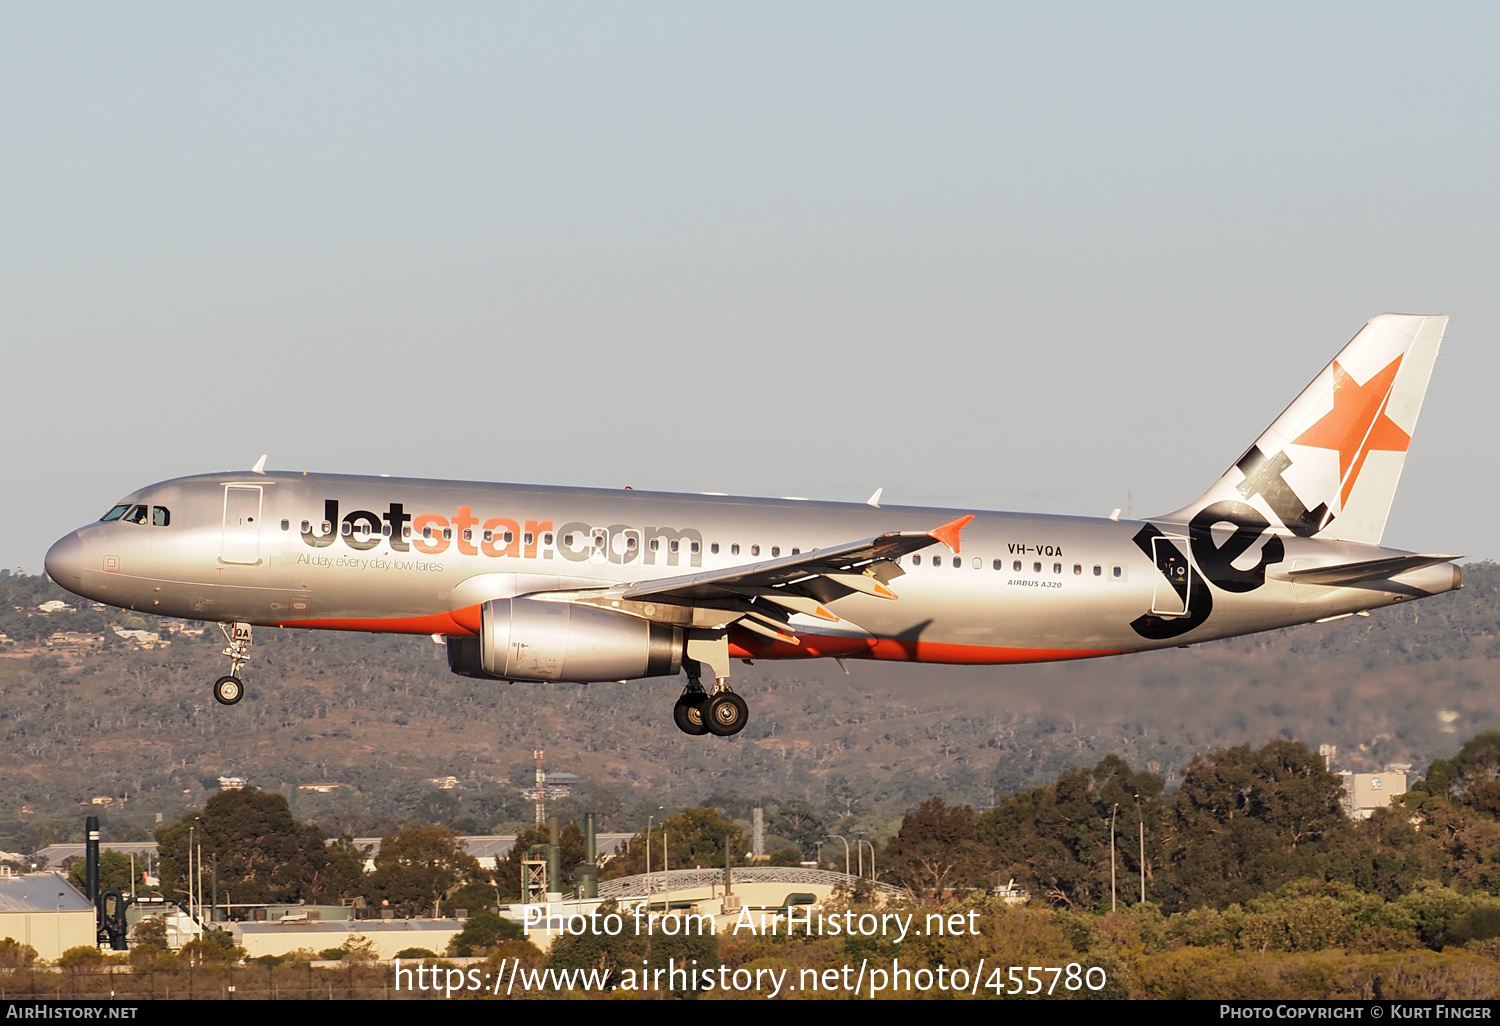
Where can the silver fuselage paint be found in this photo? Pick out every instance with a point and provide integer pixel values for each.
(975, 606)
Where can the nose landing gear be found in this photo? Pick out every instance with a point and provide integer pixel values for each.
(229, 689)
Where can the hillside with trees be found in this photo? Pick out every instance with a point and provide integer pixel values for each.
(382, 715)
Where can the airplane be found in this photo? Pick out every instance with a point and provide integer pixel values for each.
(541, 584)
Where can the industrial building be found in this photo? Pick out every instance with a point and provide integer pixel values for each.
(387, 935)
(47, 912)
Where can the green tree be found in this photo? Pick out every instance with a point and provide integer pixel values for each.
(114, 871)
(628, 953)
(1248, 821)
(14, 954)
(261, 854)
(936, 851)
(693, 838)
(1055, 840)
(483, 931)
(1471, 777)
(416, 868)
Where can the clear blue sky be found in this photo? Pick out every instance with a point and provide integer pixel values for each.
(1035, 257)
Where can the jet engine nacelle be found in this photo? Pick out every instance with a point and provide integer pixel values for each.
(524, 639)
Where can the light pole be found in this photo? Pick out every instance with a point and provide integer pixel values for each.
(871, 846)
(836, 837)
(1142, 820)
(1112, 855)
(649, 821)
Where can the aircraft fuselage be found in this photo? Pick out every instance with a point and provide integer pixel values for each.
(416, 556)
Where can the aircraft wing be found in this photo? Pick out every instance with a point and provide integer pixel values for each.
(767, 592)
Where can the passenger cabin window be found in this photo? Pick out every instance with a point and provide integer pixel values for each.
(568, 540)
(1077, 569)
(696, 547)
(1057, 568)
(427, 532)
(1117, 573)
(1098, 570)
(999, 564)
(468, 534)
(489, 536)
(406, 530)
(1016, 566)
(916, 561)
(796, 551)
(1036, 568)
(673, 545)
(115, 513)
(162, 517)
(385, 530)
(306, 527)
(447, 534)
(508, 537)
(734, 549)
(978, 562)
(775, 550)
(958, 562)
(547, 538)
(630, 542)
(655, 544)
(755, 550)
(527, 538)
(714, 548)
(346, 529)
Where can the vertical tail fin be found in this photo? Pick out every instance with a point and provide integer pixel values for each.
(1330, 464)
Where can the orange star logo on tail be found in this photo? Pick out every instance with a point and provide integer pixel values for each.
(1357, 423)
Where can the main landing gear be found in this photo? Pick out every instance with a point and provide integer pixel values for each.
(720, 712)
(229, 689)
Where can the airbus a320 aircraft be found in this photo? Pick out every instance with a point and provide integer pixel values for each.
(531, 583)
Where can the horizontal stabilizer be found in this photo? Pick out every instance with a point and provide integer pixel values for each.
(1367, 570)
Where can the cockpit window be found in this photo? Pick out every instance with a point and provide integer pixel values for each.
(114, 514)
(136, 515)
(161, 516)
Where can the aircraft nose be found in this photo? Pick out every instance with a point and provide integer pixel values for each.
(64, 561)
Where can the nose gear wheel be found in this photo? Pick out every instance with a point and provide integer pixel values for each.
(228, 690)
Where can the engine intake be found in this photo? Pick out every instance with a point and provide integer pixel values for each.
(524, 639)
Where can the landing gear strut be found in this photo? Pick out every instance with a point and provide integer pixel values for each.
(722, 712)
(230, 689)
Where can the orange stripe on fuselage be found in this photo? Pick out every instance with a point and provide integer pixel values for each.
(744, 645)
(458, 622)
